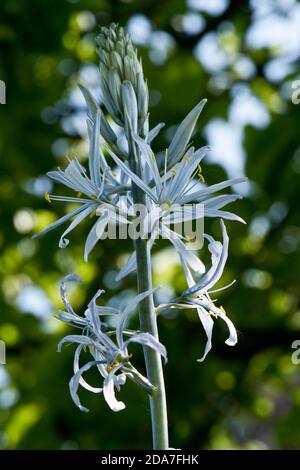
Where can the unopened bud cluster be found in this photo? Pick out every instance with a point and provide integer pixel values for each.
(124, 90)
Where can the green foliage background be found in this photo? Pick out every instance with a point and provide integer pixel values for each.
(239, 398)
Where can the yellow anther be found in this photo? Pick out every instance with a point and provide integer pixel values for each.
(212, 314)
(222, 310)
(173, 171)
(92, 214)
(129, 356)
(112, 366)
(153, 156)
(200, 175)
(47, 197)
(79, 194)
(167, 154)
(169, 202)
(124, 358)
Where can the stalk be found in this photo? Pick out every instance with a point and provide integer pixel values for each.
(148, 323)
(125, 96)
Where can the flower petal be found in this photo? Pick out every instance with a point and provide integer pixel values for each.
(72, 319)
(76, 368)
(183, 134)
(184, 171)
(106, 129)
(224, 214)
(210, 307)
(74, 383)
(219, 258)
(154, 132)
(107, 310)
(129, 267)
(138, 298)
(232, 339)
(218, 202)
(74, 177)
(192, 260)
(61, 221)
(109, 393)
(149, 156)
(140, 183)
(63, 290)
(91, 312)
(94, 159)
(207, 323)
(63, 242)
(129, 308)
(90, 101)
(61, 177)
(80, 339)
(146, 339)
(95, 234)
(206, 190)
(130, 104)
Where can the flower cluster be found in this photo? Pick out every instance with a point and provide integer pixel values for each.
(168, 181)
(197, 296)
(109, 349)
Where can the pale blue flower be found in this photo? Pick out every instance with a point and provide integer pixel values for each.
(110, 356)
(175, 186)
(197, 296)
(101, 188)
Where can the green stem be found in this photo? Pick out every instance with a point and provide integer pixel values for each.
(148, 323)
(153, 360)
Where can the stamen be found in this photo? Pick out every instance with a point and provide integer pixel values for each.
(223, 310)
(212, 314)
(47, 197)
(200, 175)
(112, 366)
(121, 358)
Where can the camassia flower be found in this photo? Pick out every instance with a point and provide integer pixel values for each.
(197, 296)
(101, 188)
(109, 350)
(174, 192)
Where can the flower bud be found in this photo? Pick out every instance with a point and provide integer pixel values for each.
(119, 63)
